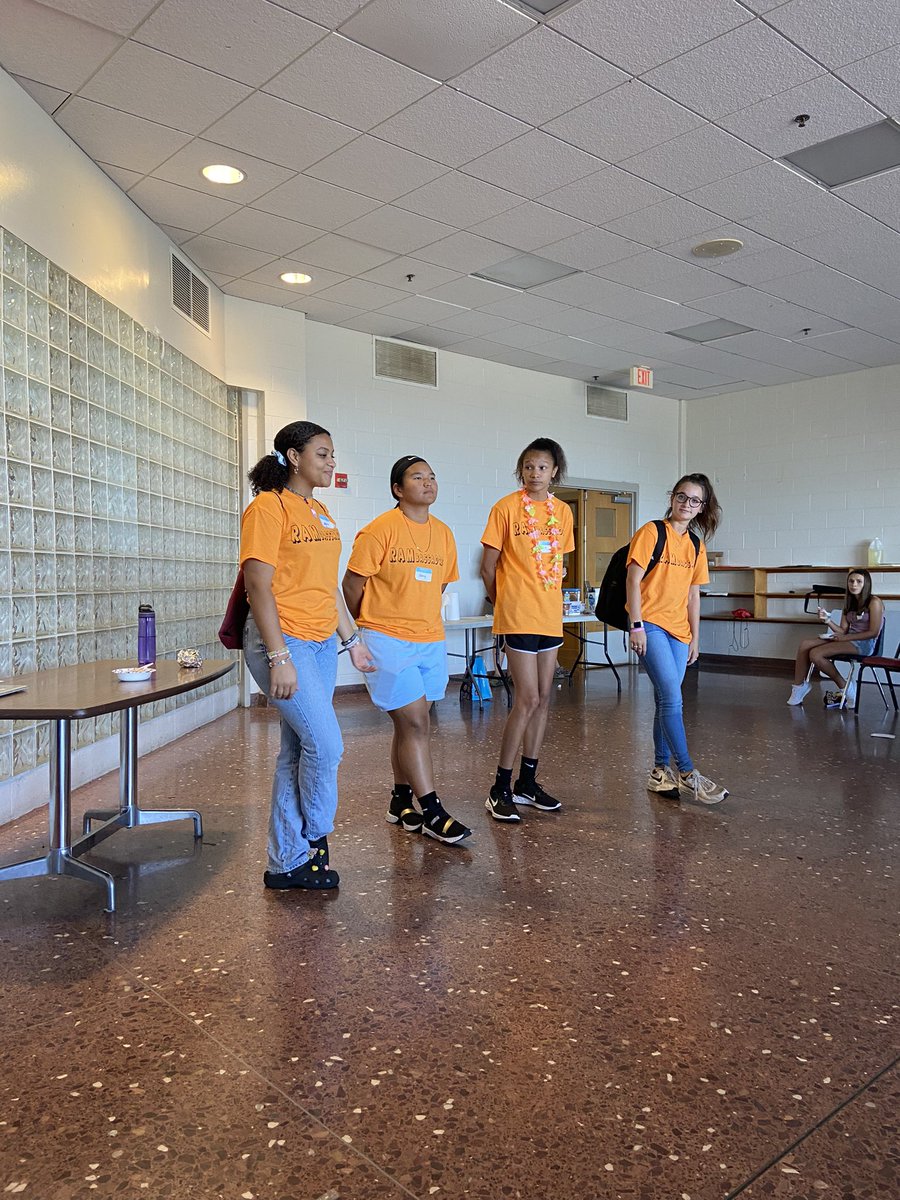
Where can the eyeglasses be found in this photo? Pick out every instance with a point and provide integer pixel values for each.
(693, 501)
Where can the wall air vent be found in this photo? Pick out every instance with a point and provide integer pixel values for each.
(607, 402)
(405, 363)
(190, 295)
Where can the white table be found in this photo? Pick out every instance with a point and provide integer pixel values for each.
(574, 624)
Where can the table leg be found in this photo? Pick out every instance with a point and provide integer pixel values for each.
(59, 860)
(129, 814)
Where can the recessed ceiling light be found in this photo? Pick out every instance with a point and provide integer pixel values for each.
(295, 277)
(710, 331)
(221, 173)
(718, 248)
(850, 156)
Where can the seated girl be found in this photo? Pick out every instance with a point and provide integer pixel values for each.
(855, 633)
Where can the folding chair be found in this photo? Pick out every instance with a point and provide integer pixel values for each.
(854, 660)
(888, 665)
(819, 590)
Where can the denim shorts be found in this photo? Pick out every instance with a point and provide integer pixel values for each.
(864, 649)
(404, 671)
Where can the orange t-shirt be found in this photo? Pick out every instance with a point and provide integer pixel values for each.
(523, 604)
(406, 566)
(301, 541)
(664, 592)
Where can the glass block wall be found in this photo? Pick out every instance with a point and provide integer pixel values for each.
(119, 485)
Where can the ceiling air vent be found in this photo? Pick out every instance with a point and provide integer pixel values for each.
(607, 402)
(405, 363)
(190, 295)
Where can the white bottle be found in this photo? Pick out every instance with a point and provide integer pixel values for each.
(876, 551)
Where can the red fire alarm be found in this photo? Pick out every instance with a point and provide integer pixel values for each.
(340, 479)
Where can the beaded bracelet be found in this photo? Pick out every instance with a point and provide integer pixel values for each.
(352, 640)
(276, 658)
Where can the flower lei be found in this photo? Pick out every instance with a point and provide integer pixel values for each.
(549, 578)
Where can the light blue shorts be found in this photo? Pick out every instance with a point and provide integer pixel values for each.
(404, 671)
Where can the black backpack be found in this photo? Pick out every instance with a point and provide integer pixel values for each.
(611, 597)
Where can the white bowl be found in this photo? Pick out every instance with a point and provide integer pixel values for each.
(133, 674)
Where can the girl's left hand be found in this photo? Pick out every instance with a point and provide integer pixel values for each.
(361, 658)
(693, 653)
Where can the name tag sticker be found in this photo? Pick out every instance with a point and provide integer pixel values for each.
(544, 546)
(323, 520)
(423, 574)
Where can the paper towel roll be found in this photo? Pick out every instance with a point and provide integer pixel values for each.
(451, 610)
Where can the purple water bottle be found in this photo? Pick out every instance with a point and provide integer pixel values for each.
(146, 635)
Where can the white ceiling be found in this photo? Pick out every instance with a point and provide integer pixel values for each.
(395, 138)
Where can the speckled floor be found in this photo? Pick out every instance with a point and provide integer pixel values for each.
(633, 998)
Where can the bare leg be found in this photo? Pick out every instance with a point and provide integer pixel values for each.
(802, 661)
(532, 675)
(410, 747)
(821, 660)
(537, 726)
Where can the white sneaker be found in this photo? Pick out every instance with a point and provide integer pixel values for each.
(799, 692)
(662, 780)
(697, 787)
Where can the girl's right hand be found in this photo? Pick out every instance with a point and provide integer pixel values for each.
(638, 642)
(282, 681)
(824, 614)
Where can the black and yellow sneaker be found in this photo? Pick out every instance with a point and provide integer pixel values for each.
(501, 806)
(402, 811)
(314, 875)
(438, 824)
(534, 795)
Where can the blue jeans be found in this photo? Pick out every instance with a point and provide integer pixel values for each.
(304, 790)
(665, 662)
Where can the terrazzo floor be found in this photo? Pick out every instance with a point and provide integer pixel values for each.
(633, 998)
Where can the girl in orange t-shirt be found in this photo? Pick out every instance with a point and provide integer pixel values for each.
(400, 564)
(290, 547)
(527, 534)
(664, 612)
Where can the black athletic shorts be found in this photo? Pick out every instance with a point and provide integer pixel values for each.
(531, 643)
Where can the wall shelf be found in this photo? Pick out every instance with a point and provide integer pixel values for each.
(766, 588)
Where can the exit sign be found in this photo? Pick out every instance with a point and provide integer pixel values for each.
(641, 377)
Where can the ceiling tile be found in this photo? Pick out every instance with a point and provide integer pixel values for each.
(592, 248)
(770, 126)
(377, 324)
(218, 278)
(376, 168)
(361, 294)
(264, 231)
(121, 17)
(860, 347)
(529, 226)
(162, 88)
(533, 164)
(330, 13)
(736, 70)
(430, 335)
(663, 223)
(466, 199)
(526, 359)
(280, 132)
(475, 324)
(471, 293)
(425, 276)
(420, 310)
(762, 311)
(315, 202)
(187, 165)
(340, 254)
(694, 158)
(523, 337)
(118, 138)
(325, 311)
(179, 237)
(797, 356)
(125, 179)
(647, 32)
(247, 40)
(625, 121)
(759, 189)
(602, 197)
(662, 275)
(576, 322)
(879, 196)
(758, 266)
(170, 204)
(838, 31)
(318, 81)
(49, 98)
(449, 127)
(394, 229)
(271, 273)
(877, 78)
(821, 212)
(536, 310)
(465, 252)
(211, 254)
(52, 47)
(539, 77)
(436, 38)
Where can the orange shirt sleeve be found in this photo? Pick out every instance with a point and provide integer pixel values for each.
(368, 553)
(497, 529)
(262, 528)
